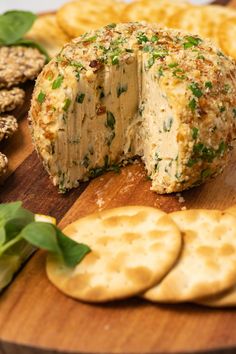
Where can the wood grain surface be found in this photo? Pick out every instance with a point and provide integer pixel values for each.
(35, 318)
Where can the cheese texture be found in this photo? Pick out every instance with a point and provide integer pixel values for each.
(136, 90)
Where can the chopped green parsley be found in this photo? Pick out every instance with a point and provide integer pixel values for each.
(195, 132)
(191, 42)
(80, 97)
(41, 97)
(154, 38)
(205, 173)
(66, 105)
(208, 84)
(90, 39)
(222, 109)
(192, 104)
(197, 92)
(110, 122)
(142, 38)
(57, 82)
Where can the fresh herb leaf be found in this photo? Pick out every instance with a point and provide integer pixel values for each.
(41, 235)
(57, 82)
(114, 59)
(191, 42)
(2, 235)
(13, 218)
(234, 112)
(194, 87)
(41, 97)
(178, 73)
(208, 84)
(222, 148)
(205, 173)
(173, 65)
(90, 39)
(110, 122)
(80, 98)
(111, 25)
(72, 252)
(192, 104)
(191, 162)
(142, 38)
(66, 104)
(195, 132)
(17, 226)
(222, 109)
(154, 38)
(14, 25)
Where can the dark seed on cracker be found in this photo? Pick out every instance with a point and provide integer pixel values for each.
(11, 99)
(8, 126)
(18, 64)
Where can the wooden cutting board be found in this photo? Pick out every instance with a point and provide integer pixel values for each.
(36, 318)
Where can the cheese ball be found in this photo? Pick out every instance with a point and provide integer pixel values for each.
(132, 90)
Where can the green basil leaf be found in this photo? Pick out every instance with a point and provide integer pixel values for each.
(29, 43)
(42, 235)
(7, 211)
(13, 218)
(14, 24)
(2, 236)
(72, 252)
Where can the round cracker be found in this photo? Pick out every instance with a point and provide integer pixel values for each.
(214, 18)
(227, 33)
(152, 11)
(77, 17)
(48, 33)
(132, 249)
(207, 264)
(225, 299)
(188, 18)
(231, 210)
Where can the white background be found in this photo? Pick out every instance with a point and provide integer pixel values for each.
(49, 5)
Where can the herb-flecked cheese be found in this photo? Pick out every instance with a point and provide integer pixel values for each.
(136, 90)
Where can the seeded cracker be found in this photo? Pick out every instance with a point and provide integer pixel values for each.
(8, 126)
(10, 99)
(18, 64)
(3, 164)
(132, 248)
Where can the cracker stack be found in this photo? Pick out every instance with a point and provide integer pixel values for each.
(76, 17)
(17, 64)
(188, 256)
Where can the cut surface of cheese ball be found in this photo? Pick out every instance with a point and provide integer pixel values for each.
(135, 90)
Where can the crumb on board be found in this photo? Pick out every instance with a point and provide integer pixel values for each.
(180, 198)
(100, 202)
